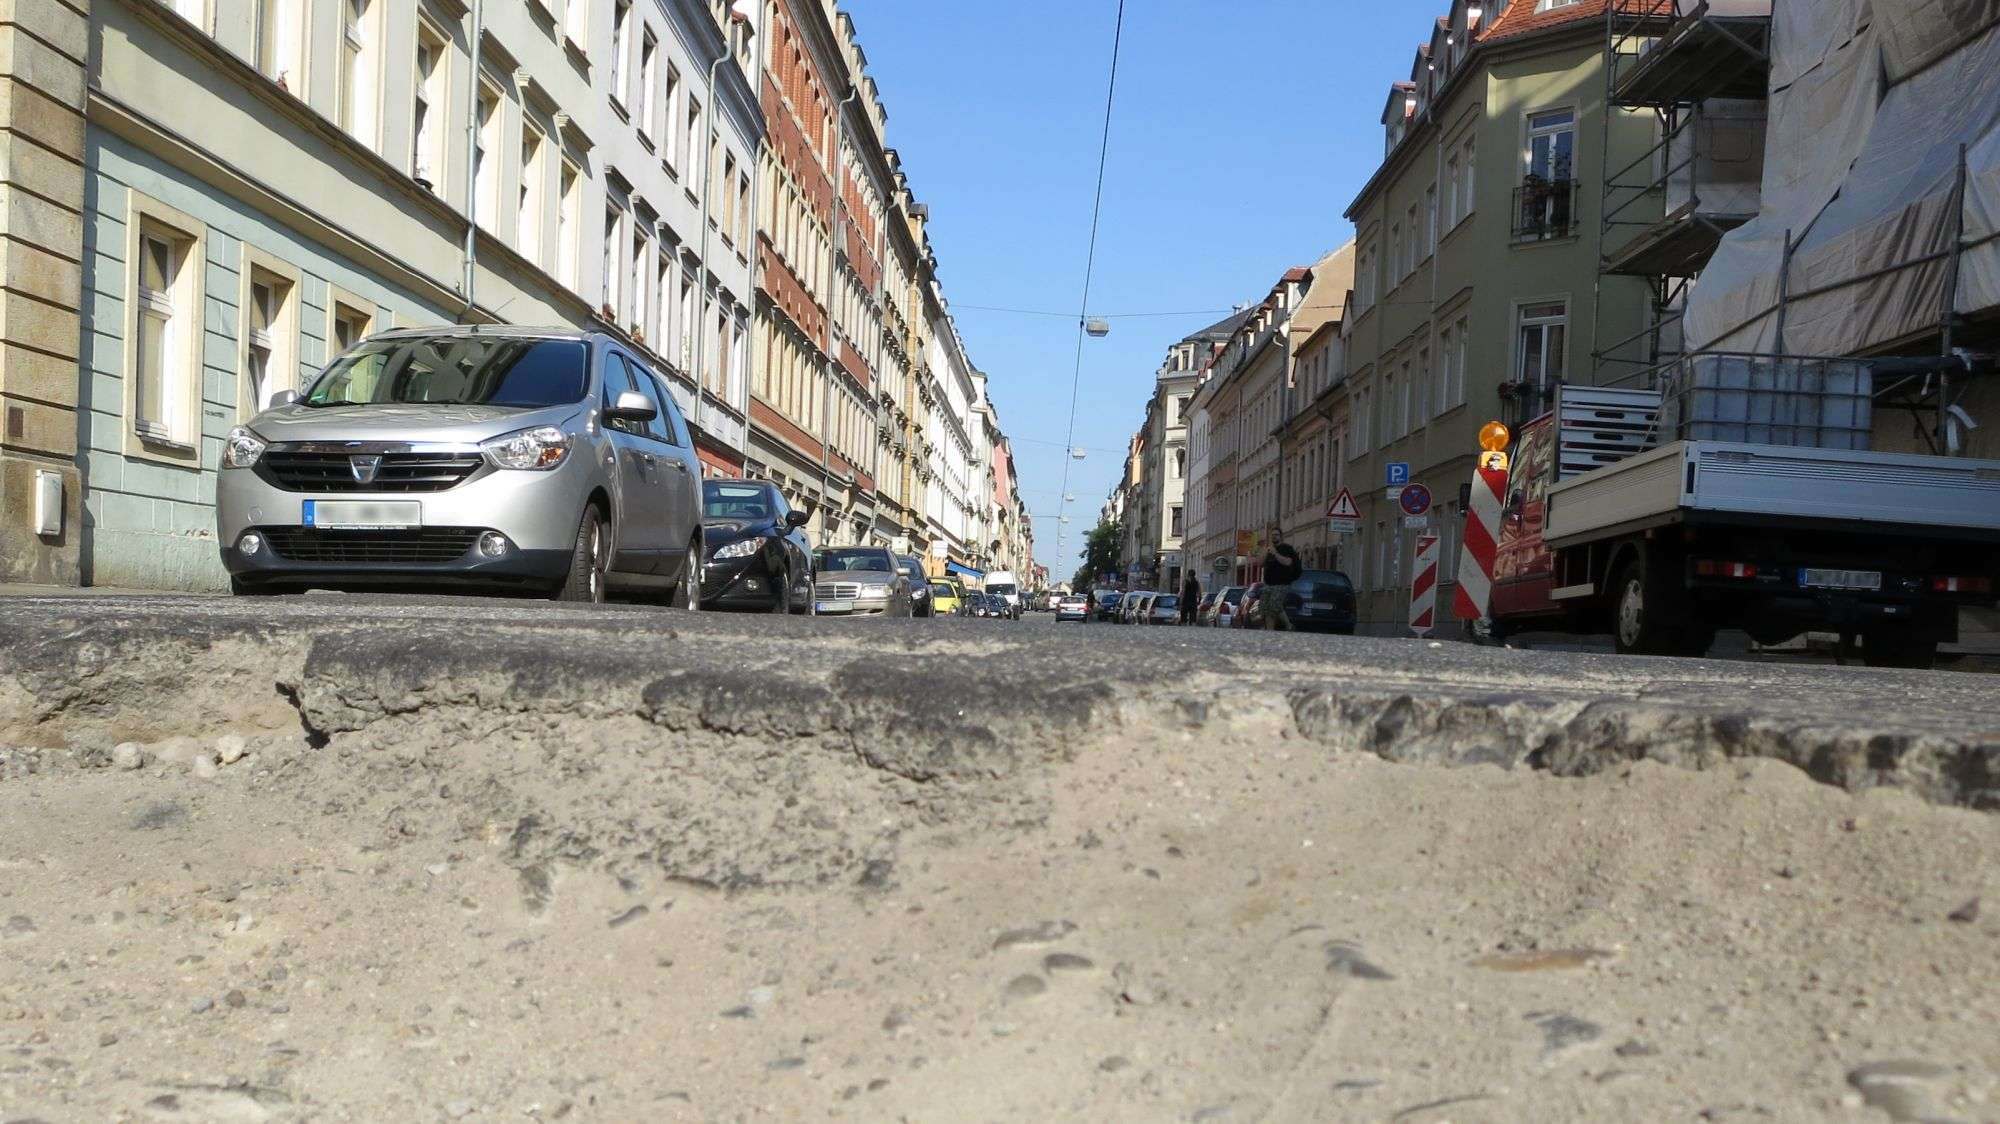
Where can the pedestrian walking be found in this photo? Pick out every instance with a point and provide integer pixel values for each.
(1281, 569)
(1190, 597)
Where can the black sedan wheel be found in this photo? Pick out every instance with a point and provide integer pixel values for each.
(781, 592)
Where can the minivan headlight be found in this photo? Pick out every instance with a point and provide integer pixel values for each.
(242, 448)
(875, 590)
(538, 449)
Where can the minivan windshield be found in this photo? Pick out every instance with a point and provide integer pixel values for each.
(734, 501)
(1003, 590)
(456, 370)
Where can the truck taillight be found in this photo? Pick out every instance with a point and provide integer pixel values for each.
(1710, 568)
(1961, 585)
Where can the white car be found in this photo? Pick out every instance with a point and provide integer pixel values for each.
(1073, 607)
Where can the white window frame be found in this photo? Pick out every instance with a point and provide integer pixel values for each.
(576, 23)
(281, 339)
(667, 130)
(174, 436)
(612, 251)
(358, 99)
(528, 219)
(649, 80)
(488, 146)
(1531, 132)
(344, 307)
(621, 47)
(1541, 322)
(433, 95)
(569, 224)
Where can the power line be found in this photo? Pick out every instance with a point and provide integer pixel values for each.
(1100, 316)
(1090, 259)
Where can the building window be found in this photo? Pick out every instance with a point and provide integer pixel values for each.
(1451, 191)
(427, 119)
(1458, 357)
(569, 213)
(1177, 521)
(743, 213)
(576, 22)
(270, 317)
(636, 286)
(1445, 348)
(688, 136)
(167, 379)
(357, 70)
(739, 359)
(728, 223)
(665, 126)
(609, 279)
(1395, 253)
(1390, 397)
(528, 221)
(486, 157)
(1420, 390)
(1551, 144)
(621, 45)
(1539, 352)
(351, 324)
(1430, 220)
(688, 324)
(649, 78)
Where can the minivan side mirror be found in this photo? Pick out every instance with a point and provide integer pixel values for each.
(797, 519)
(283, 398)
(632, 406)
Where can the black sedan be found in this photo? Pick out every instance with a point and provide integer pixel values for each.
(920, 586)
(1321, 601)
(757, 557)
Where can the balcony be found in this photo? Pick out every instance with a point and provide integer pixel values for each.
(1544, 209)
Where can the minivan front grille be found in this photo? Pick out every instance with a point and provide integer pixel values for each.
(837, 591)
(297, 471)
(430, 545)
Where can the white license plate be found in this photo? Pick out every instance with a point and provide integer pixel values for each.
(833, 606)
(361, 515)
(1320, 606)
(1841, 579)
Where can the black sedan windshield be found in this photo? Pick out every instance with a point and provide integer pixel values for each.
(457, 370)
(835, 561)
(734, 501)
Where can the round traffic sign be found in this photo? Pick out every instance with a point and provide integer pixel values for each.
(1415, 499)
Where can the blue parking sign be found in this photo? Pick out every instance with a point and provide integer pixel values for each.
(1399, 473)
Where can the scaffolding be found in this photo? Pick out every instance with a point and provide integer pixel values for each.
(1702, 74)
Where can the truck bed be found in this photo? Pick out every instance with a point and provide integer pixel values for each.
(1692, 480)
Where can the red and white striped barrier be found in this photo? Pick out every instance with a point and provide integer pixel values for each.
(1482, 535)
(1424, 586)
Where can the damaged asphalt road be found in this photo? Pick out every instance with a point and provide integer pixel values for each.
(342, 857)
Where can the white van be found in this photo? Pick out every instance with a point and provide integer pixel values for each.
(1005, 586)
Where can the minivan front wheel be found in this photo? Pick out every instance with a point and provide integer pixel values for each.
(687, 595)
(587, 561)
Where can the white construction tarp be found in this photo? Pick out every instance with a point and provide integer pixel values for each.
(1870, 103)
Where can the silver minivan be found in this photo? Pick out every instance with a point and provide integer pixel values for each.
(548, 460)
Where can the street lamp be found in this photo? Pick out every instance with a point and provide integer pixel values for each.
(1097, 327)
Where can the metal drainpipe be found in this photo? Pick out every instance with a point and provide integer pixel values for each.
(833, 283)
(471, 178)
(707, 196)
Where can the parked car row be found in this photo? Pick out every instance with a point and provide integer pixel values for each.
(1320, 601)
(547, 461)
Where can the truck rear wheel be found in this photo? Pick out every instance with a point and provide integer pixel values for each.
(1901, 647)
(1648, 613)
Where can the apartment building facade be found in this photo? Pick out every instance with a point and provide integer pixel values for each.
(217, 196)
(1477, 288)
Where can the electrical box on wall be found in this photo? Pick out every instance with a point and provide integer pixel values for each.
(48, 503)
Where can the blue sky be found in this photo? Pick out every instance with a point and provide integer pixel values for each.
(1242, 129)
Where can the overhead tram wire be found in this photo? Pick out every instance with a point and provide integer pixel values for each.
(1090, 258)
(1100, 316)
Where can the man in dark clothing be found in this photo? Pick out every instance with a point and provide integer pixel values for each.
(1281, 569)
(1190, 598)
